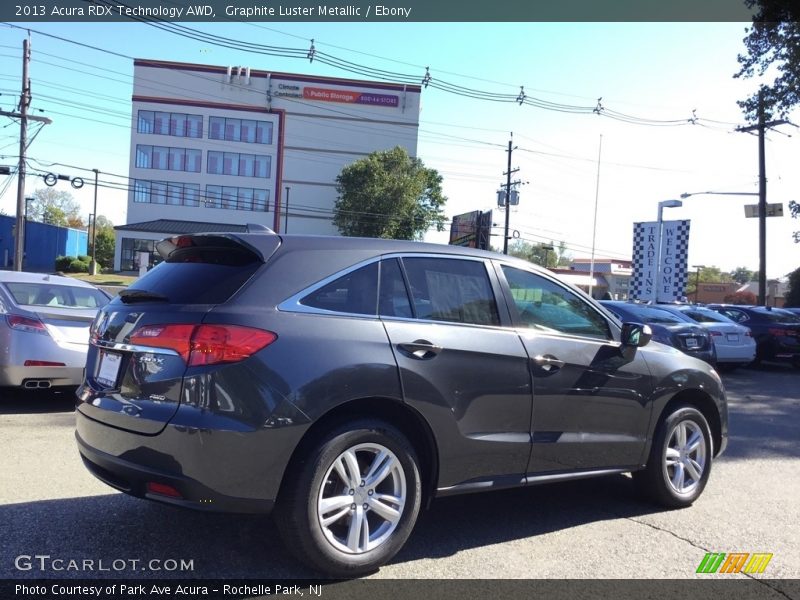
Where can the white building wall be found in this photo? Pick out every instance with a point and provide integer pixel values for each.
(313, 138)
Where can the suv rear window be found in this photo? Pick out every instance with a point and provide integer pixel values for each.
(208, 273)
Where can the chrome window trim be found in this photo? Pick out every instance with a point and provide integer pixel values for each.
(293, 303)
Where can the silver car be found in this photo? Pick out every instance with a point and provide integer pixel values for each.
(44, 328)
(735, 343)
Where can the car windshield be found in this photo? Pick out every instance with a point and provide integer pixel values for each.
(56, 296)
(650, 314)
(704, 315)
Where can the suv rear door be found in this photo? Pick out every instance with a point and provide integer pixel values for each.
(459, 367)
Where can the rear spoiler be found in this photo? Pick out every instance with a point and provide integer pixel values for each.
(260, 249)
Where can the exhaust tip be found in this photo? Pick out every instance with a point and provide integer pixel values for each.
(37, 384)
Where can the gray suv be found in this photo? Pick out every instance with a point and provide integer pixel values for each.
(342, 383)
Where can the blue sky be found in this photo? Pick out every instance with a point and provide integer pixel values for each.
(659, 71)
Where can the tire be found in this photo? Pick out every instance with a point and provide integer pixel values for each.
(680, 459)
(323, 512)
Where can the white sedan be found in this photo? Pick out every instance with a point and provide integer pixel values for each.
(734, 342)
(44, 328)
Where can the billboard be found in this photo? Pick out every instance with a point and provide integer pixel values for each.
(471, 229)
(660, 258)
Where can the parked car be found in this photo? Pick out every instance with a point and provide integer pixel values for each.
(672, 329)
(44, 328)
(776, 331)
(734, 343)
(793, 309)
(344, 382)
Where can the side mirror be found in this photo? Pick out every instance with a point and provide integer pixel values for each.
(635, 335)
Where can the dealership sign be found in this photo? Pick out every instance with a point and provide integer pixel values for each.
(660, 260)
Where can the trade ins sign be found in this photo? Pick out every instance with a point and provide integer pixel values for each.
(349, 97)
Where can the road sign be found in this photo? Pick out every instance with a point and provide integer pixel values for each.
(773, 210)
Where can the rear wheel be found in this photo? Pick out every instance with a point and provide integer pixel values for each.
(351, 503)
(680, 459)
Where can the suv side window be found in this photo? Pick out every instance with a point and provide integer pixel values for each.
(393, 296)
(541, 304)
(354, 293)
(451, 289)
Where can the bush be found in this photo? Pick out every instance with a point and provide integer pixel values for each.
(84, 258)
(63, 262)
(78, 266)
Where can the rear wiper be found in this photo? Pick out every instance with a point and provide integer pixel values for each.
(130, 296)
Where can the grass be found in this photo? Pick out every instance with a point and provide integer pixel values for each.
(105, 278)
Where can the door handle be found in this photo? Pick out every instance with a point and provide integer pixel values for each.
(548, 363)
(420, 349)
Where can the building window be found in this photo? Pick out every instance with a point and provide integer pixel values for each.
(174, 124)
(129, 248)
(163, 192)
(240, 130)
(235, 198)
(241, 165)
(168, 159)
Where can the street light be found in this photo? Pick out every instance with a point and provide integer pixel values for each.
(697, 282)
(547, 250)
(666, 204)
(762, 236)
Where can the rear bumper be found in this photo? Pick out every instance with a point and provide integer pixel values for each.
(16, 376)
(736, 354)
(212, 467)
(133, 479)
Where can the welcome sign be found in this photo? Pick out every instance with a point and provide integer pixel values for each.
(660, 258)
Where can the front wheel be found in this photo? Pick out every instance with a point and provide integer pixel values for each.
(680, 459)
(351, 502)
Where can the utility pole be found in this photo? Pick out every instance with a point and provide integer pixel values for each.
(508, 194)
(761, 127)
(22, 115)
(93, 267)
(24, 103)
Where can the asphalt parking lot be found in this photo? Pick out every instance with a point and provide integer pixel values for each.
(50, 505)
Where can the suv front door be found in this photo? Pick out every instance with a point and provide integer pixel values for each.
(590, 405)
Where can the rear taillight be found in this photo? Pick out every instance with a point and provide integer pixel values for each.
(43, 363)
(777, 331)
(715, 333)
(748, 333)
(205, 344)
(26, 324)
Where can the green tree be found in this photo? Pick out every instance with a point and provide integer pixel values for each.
(55, 207)
(554, 256)
(707, 275)
(793, 295)
(389, 195)
(742, 275)
(773, 50)
(104, 242)
(53, 215)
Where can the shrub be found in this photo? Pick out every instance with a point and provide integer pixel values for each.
(84, 258)
(78, 266)
(63, 262)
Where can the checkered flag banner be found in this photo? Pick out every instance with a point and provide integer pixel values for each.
(674, 271)
(660, 258)
(645, 255)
